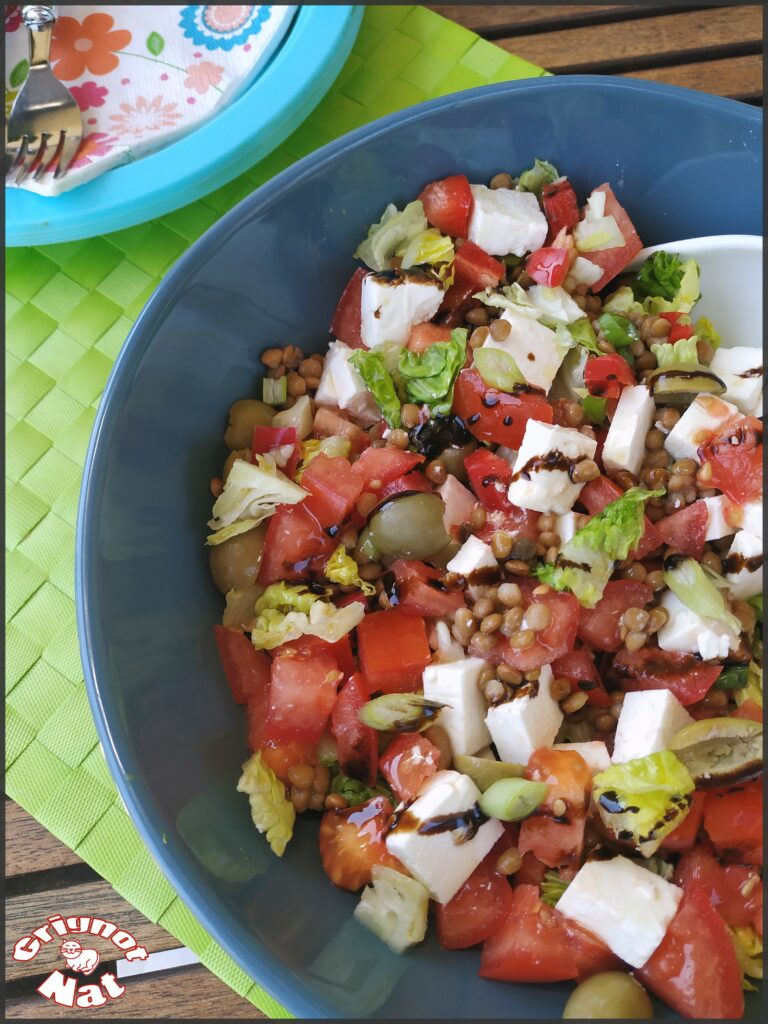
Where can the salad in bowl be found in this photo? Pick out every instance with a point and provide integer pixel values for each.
(492, 568)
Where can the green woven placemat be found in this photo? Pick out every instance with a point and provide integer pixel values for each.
(69, 308)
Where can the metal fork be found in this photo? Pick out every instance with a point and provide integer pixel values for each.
(46, 125)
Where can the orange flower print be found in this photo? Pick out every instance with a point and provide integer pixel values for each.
(94, 145)
(89, 46)
(203, 75)
(145, 116)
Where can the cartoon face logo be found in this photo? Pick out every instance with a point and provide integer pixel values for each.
(78, 959)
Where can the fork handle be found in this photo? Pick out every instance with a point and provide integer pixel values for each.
(39, 19)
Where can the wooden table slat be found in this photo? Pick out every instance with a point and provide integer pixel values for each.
(648, 40)
(30, 846)
(490, 18)
(736, 77)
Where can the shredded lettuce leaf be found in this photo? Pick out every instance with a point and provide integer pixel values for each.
(378, 380)
(535, 178)
(253, 493)
(622, 301)
(274, 392)
(510, 296)
(583, 333)
(394, 908)
(680, 353)
(497, 368)
(685, 297)
(705, 330)
(342, 568)
(427, 247)
(287, 611)
(396, 228)
(272, 812)
(429, 377)
(597, 230)
(552, 887)
(644, 799)
(660, 275)
(233, 530)
(701, 592)
(749, 953)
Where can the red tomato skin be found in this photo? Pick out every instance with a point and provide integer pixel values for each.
(686, 529)
(384, 464)
(407, 763)
(578, 666)
(296, 547)
(530, 945)
(548, 266)
(557, 841)
(267, 438)
(607, 376)
(488, 424)
(246, 669)
(415, 481)
(447, 203)
(735, 458)
(652, 669)
(598, 493)
(678, 332)
(424, 335)
(302, 693)
(419, 591)
(333, 488)
(352, 843)
(282, 756)
(473, 270)
(393, 650)
(685, 835)
(556, 640)
(478, 908)
(733, 821)
(489, 477)
(694, 969)
(357, 744)
(518, 522)
(613, 261)
(723, 884)
(599, 626)
(307, 646)
(561, 207)
(345, 324)
(749, 709)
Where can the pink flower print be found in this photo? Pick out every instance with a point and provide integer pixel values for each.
(94, 145)
(89, 94)
(202, 76)
(12, 17)
(145, 116)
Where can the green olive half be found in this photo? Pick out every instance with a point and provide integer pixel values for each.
(454, 457)
(409, 526)
(235, 563)
(718, 751)
(679, 385)
(243, 417)
(611, 995)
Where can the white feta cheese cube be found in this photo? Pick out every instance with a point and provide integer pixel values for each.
(473, 554)
(751, 517)
(744, 566)
(741, 370)
(706, 416)
(583, 271)
(505, 221)
(341, 385)
(648, 721)
(566, 526)
(594, 752)
(624, 904)
(463, 718)
(555, 302)
(458, 501)
(534, 347)
(684, 630)
(391, 305)
(625, 444)
(548, 487)
(526, 722)
(435, 859)
(717, 524)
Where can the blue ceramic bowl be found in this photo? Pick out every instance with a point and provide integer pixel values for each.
(268, 273)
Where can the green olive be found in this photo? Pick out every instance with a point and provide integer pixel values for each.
(410, 526)
(611, 995)
(454, 459)
(235, 563)
(441, 558)
(718, 751)
(366, 551)
(243, 417)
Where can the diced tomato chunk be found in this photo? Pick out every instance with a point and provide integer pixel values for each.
(600, 626)
(561, 207)
(735, 460)
(473, 270)
(334, 488)
(295, 546)
(552, 642)
(352, 843)
(686, 529)
(265, 439)
(384, 464)
(548, 266)
(308, 645)
(578, 666)
(607, 376)
(447, 203)
(684, 835)
(393, 651)
(246, 669)
(345, 324)
(489, 477)
(495, 416)
(518, 522)
(419, 590)
(301, 695)
(357, 744)
(733, 821)
(424, 335)
(725, 884)
(679, 332)
(557, 839)
(598, 493)
(749, 709)
(695, 970)
(650, 668)
(478, 908)
(282, 756)
(613, 261)
(408, 762)
(414, 481)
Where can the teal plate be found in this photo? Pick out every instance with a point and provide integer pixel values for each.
(298, 76)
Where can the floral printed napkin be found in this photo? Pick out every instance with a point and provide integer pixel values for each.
(145, 75)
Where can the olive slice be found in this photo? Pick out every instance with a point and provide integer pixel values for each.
(679, 385)
(484, 772)
(409, 525)
(720, 751)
